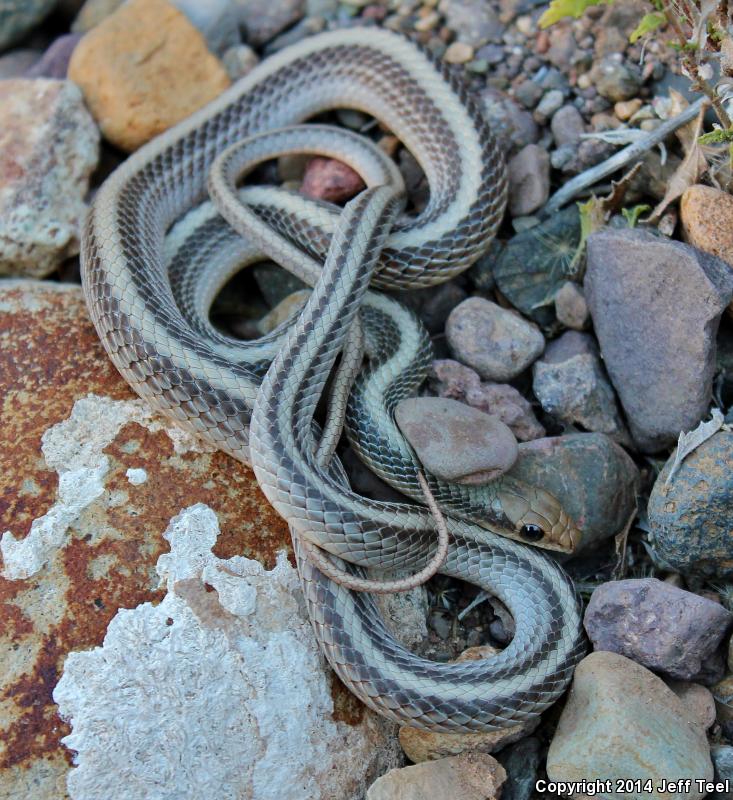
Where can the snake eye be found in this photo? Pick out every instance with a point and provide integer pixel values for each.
(532, 533)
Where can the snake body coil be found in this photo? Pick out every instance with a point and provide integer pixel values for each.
(149, 288)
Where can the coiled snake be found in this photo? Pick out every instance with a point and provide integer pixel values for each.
(154, 256)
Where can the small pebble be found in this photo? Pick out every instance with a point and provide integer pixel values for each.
(567, 126)
(330, 180)
(625, 109)
(529, 180)
(549, 104)
(458, 53)
(570, 306)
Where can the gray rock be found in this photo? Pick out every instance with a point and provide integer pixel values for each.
(499, 344)
(264, 19)
(18, 17)
(562, 46)
(16, 63)
(656, 305)
(550, 104)
(450, 379)
(567, 126)
(512, 126)
(275, 283)
(49, 146)
(593, 478)
(474, 21)
(658, 625)
(528, 93)
(537, 262)
(529, 180)
(521, 762)
(615, 79)
(621, 722)
(456, 442)
(722, 756)
(239, 60)
(470, 776)
(571, 384)
(54, 63)
(570, 306)
(217, 21)
(691, 517)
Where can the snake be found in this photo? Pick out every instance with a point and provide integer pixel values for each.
(156, 252)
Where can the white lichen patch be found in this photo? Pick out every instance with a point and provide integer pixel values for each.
(136, 476)
(74, 448)
(219, 691)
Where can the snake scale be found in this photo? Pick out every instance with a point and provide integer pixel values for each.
(155, 253)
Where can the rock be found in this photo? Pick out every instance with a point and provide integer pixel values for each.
(591, 476)
(438, 302)
(129, 69)
(239, 60)
(93, 12)
(512, 126)
(707, 220)
(458, 53)
(282, 312)
(454, 380)
(571, 384)
(626, 109)
(690, 518)
(567, 126)
(456, 442)
(723, 694)
(494, 341)
(722, 756)
(275, 283)
(528, 93)
(562, 46)
(536, 263)
(621, 722)
(474, 21)
(551, 103)
(16, 63)
(570, 306)
(264, 19)
(88, 487)
(54, 63)
(699, 701)
(472, 776)
(521, 762)
(18, 17)
(656, 305)
(529, 180)
(330, 180)
(216, 20)
(658, 625)
(49, 146)
(615, 79)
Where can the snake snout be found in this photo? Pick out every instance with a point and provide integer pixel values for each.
(539, 519)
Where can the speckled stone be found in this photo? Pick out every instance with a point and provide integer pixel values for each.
(691, 517)
(49, 146)
(129, 69)
(621, 721)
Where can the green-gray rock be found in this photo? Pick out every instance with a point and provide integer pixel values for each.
(623, 722)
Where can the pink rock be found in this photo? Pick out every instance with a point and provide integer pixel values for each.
(330, 180)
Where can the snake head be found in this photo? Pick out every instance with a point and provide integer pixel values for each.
(537, 517)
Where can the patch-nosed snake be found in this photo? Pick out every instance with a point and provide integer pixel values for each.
(155, 254)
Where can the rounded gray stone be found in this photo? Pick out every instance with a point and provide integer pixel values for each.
(456, 442)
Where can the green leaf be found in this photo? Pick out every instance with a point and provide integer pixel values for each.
(718, 136)
(649, 23)
(559, 9)
(631, 215)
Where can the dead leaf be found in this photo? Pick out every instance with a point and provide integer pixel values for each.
(690, 441)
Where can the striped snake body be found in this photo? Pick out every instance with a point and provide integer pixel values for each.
(149, 283)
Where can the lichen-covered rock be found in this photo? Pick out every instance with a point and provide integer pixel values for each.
(89, 481)
(499, 344)
(621, 722)
(17, 17)
(691, 517)
(49, 146)
(593, 478)
(143, 69)
(722, 756)
(456, 442)
(450, 379)
(536, 263)
(660, 626)
(471, 776)
(656, 306)
(223, 681)
(571, 384)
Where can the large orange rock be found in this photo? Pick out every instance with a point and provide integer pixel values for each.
(707, 220)
(143, 69)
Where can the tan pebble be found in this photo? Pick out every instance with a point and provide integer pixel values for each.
(427, 21)
(571, 307)
(585, 81)
(625, 109)
(458, 53)
(143, 69)
(707, 220)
